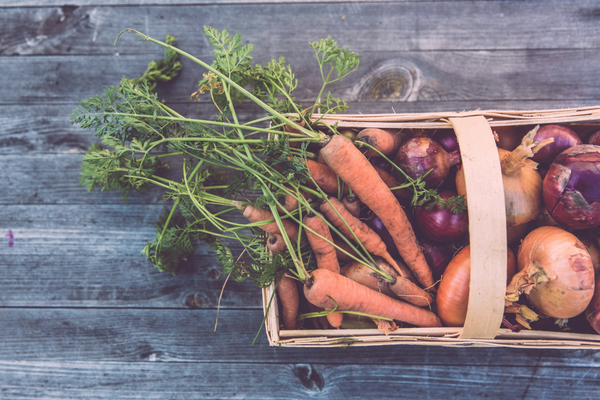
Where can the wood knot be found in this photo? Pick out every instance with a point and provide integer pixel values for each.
(389, 82)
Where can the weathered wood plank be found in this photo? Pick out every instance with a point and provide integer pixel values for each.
(178, 335)
(49, 3)
(288, 381)
(113, 280)
(400, 77)
(425, 25)
(102, 229)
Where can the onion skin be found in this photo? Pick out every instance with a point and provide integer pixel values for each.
(418, 155)
(555, 273)
(438, 256)
(571, 189)
(595, 139)
(509, 137)
(563, 139)
(447, 139)
(440, 224)
(592, 312)
(452, 297)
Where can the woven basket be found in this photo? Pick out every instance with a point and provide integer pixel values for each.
(487, 230)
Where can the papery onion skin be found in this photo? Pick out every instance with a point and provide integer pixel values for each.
(447, 139)
(418, 155)
(452, 297)
(440, 224)
(552, 253)
(438, 255)
(592, 312)
(571, 189)
(564, 138)
(595, 139)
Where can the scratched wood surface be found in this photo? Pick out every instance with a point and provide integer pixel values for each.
(83, 315)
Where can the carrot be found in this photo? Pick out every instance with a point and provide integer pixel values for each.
(387, 141)
(275, 243)
(325, 177)
(354, 169)
(404, 288)
(352, 204)
(364, 275)
(255, 214)
(287, 291)
(370, 240)
(324, 251)
(288, 202)
(391, 182)
(324, 286)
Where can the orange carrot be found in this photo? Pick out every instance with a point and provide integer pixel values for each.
(352, 204)
(404, 288)
(287, 291)
(325, 177)
(324, 251)
(364, 275)
(370, 240)
(275, 243)
(255, 214)
(324, 286)
(387, 141)
(354, 169)
(288, 202)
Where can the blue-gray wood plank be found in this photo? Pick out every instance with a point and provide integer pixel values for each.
(83, 315)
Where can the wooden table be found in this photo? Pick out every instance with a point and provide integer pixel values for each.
(83, 315)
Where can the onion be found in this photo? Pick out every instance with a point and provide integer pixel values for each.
(379, 228)
(440, 224)
(447, 139)
(378, 162)
(563, 139)
(555, 273)
(515, 233)
(508, 137)
(452, 297)
(592, 312)
(595, 139)
(437, 255)
(572, 187)
(592, 248)
(419, 155)
(522, 183)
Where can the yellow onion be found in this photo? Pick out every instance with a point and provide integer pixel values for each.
(555, 273)
(452, 297)
(522, 182)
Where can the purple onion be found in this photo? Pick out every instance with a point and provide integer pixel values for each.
(595, 139)
(563, 139)
(438, 256)
(440, 224)
(572, 187)
(419, 155)
(447, 139)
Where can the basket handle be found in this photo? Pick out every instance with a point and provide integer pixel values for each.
(487, 226)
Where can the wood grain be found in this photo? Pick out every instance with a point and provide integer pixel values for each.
(365, 26)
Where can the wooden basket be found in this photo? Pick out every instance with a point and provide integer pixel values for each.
(487, 230)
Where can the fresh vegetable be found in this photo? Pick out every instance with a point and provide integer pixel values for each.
(508, 137)
(321, 242)
(352, 204)
(452, 297)
(447, 139)
(564, 138)
(404, 288)
(287, 291)
(522, 183)
(555, 272)
(441, 223)
(386, 141)
(365, 275)
(328, 290)
(592, 312)
(572, 189)
(255, 214)
(348, 162)
(325, 178)
(437, 254)
(594, 139)
(275, 243)
(353, 227)
(424, 157)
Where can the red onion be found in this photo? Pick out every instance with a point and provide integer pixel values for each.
(378, 162)
(419, 155)
(563, 139)
(592, 312)
(440, 224)
(378, 227)
(447, 139)
(595, 139)
(437, 254)
(509, 137)
(572, 187)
